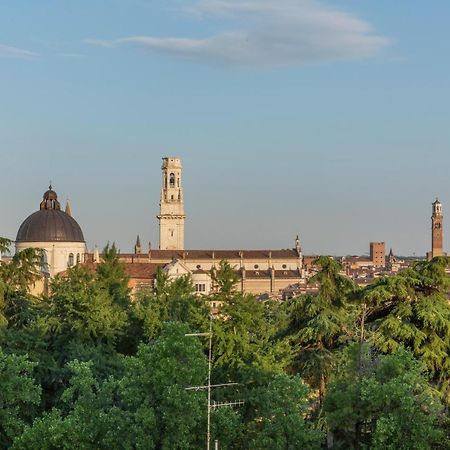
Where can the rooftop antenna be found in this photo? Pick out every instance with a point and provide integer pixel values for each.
(209, 386)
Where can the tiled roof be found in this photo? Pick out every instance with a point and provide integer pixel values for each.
(141, 270)
(218, 254)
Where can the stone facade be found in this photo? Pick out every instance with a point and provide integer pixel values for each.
(59, 256)
(259, 271)
(171, 216)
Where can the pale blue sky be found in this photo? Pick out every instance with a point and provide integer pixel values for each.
(325, 119)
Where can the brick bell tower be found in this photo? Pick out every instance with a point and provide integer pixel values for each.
(171, 207)
(437, 236)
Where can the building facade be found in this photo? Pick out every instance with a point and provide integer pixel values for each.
(378, 254)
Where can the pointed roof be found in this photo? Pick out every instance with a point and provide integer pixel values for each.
(68, 208)
(436, 202)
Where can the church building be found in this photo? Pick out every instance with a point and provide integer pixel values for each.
(60, 236)
(260, 271)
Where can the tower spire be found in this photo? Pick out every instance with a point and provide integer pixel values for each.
(137, 247)
(171, 214)
(68, 209)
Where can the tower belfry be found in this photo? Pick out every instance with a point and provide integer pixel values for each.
(171, 207)
(437, 236)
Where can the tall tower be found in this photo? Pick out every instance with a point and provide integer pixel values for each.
(171, 207)
(437, 238)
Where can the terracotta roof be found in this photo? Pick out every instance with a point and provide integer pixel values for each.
(141, 270)
(224, 254)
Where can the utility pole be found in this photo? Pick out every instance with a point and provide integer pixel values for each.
(209, 386)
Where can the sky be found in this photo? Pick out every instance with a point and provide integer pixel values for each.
(326, 119)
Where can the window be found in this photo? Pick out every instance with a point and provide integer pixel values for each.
(284, 266)
(256, 266)
(44, 265)
(172, 180)
(71, 260)
(78, 258)
(200, 288)
(199, 266)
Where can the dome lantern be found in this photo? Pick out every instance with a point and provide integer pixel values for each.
(50, 200)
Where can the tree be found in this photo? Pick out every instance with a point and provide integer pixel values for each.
(412, 310)
(19, 396)
(280, 417)
(385, 403)
(244, 338)
(225, 279)
(111, 274)
(16, 279)
(80, 308)
(145, 408)
(24, 269)
(321, 323)
(4, 245)
(170, 300)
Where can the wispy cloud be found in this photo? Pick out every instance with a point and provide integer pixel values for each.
(7, 51)
(268, 33)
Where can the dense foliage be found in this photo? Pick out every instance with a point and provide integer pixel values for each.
(89, 367)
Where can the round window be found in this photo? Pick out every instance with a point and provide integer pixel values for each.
(256, 266)
(284, 266)
(198, 266)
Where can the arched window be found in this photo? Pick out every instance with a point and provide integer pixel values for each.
(78, 258)
(44, 265)
(172, 180)
(71, 260)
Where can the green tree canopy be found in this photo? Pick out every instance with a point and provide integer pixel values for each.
(321, 324)
(19, 396)
(79, 308)
(225, 279)
(384, 403)
(412, 310)
(146, 408)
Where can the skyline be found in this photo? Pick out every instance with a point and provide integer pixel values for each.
(127, 247)
(343, 143)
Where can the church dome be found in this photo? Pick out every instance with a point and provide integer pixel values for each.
(50, 224)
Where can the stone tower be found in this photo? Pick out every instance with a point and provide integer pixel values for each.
(171, 207)
(437, 238)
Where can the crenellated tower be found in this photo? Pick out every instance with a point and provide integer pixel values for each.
(437, 236)
(171, 207)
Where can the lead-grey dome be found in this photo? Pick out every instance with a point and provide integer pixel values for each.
(50, 224)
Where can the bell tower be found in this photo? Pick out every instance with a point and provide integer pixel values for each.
(437, 238)
(171, 207)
